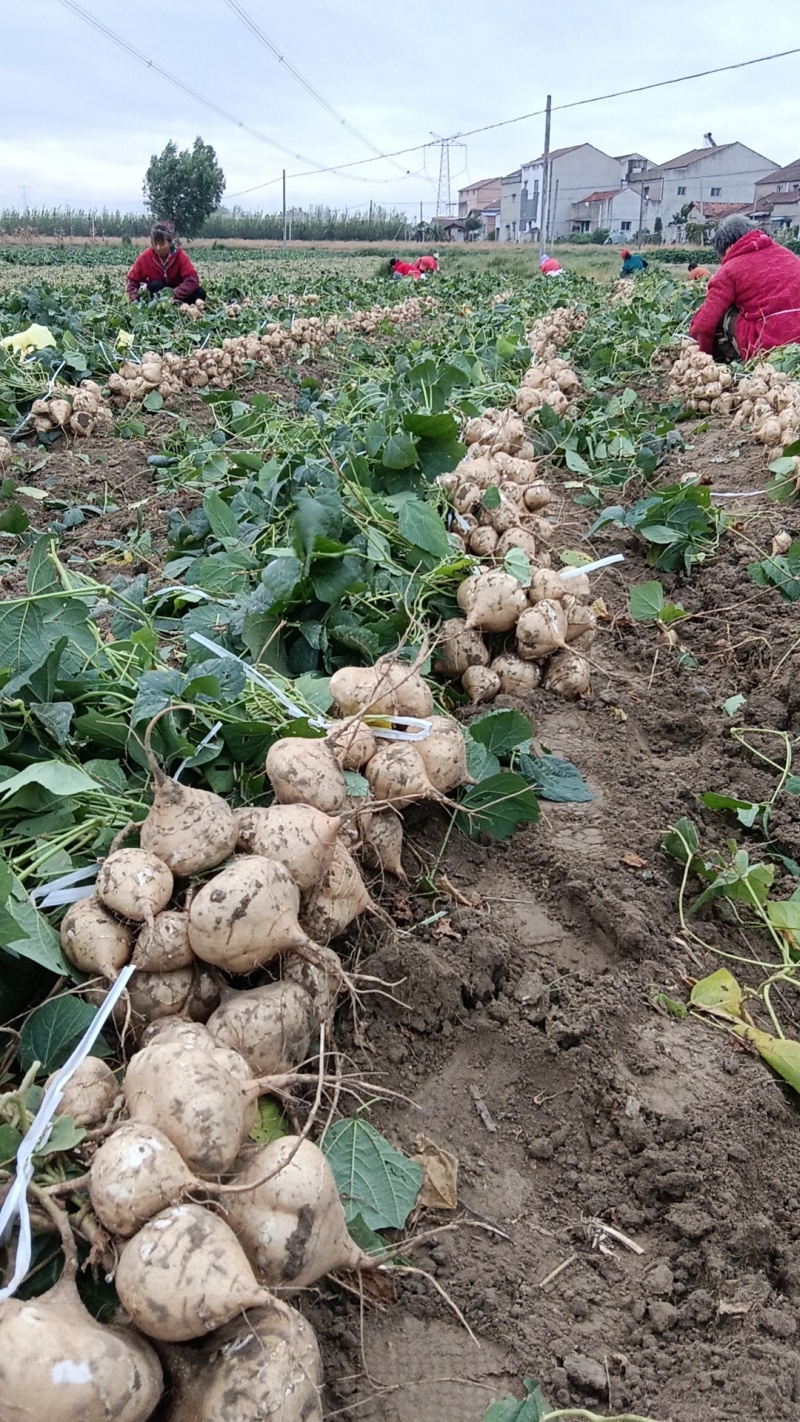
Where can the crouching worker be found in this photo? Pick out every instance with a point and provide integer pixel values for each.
(753, 301)
(164, 264)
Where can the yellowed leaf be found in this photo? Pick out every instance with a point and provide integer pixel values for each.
(719, 993)
(632, 860)
(439, 1175)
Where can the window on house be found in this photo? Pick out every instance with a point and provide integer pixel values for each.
(681, 192)
(716, 192)
(796, 187)
(779, 188)
(513, 197)
(625, 227)
(646, 191)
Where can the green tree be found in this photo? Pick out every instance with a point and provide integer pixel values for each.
(184, 188)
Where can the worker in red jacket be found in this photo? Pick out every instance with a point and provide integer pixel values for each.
(404, 269)
(753, 301)
(428, 263)
(164, 264)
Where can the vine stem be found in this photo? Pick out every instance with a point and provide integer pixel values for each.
(581, 1412)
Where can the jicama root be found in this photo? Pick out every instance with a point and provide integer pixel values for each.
(481, 684)
(163, 944)
(382, 840)
(568, 675)
(134, 884)
(185, 1274)
(196, 1095)
(390, 688)
(93, 940)
(270, 1026)
(338, 899)
(246, 916)
(541, 630)
(291, 1224)
(300, 837)
(135, 1174)
(459, 647)
(90, 1093)
(492, 601)
(517, 678)
(307, 773)
(397, 775)
(352, 742)
(190, 830)
(444, 753)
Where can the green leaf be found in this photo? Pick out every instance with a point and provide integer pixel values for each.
(224, 523)
(746, 811)
(435, 427)
(792, 785)
(682, 841)
(278, 582)
(423, 528)
(14, 519)
(400, 451)
(533, 1409)
(64, 1134)
(373, 1179)
(518, 564)
(575, 463)
(497, 806)
(785, 915)
(52, 1030)
(10, 1142)
(480, 761)
(153, 401)
(491, 498)
(27, 933)
(42, 575)
(357, 785)
(56, 717)
(500, 731)
(51, 775)
(367, 1239)
(555, 779)
(646, 601)
(270, 1125)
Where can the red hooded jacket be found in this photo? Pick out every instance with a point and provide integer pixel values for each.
(177, 271)
(762, 280)
(407, 269)
(428, 264)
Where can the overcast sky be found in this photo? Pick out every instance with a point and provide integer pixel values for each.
(80, 118)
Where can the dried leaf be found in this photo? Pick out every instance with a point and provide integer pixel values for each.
(439, 1175)
(632, 860)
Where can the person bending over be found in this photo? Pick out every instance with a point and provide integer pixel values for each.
(753, 301)
(697, 273)
(164, 264)
(632, 263)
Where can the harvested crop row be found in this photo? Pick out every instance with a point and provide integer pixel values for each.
(766, 401)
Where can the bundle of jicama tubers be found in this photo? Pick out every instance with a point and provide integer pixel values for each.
(700, 382)
(80, 411)
(553, 330)
(204, 1223)
(769, 405)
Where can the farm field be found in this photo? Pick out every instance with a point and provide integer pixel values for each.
(548, 993)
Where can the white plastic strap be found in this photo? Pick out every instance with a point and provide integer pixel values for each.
(179, 772)
(63, 891)
(16, 1201)
(592, 567)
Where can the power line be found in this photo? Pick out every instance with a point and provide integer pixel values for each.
(135, 53)
(537, 113)
(264, 40)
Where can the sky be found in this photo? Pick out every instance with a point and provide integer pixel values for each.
(80, 119)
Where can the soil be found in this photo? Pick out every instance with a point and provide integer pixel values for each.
(537, 1044)
(538, 1047)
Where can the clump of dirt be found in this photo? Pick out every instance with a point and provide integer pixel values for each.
(538, 1045)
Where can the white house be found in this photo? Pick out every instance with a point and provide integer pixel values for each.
(616, 210)
(573, 172)
(509, 220)
(781, 180)
(725, 174)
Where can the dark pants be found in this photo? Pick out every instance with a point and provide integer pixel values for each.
(154, 287)
(725, 348)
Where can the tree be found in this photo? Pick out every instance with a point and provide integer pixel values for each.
(184, 188)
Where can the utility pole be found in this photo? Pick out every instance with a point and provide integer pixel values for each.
(284, 207)
(552, 208)
(24, 191)
(641, 211)
(545, 178)
(443, 203)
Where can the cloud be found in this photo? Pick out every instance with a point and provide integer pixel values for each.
(84, 118)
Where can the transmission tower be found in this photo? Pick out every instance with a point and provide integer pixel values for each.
(443, 203)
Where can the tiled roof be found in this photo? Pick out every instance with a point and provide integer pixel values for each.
(783, 175)
(484, 183)
(512, 177)
(554, 153)
(774, 199)
(717, 210)
(683, 160)
(602, 197)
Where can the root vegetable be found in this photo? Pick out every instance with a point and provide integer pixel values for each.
(382, 840)
(263, 1368)
(292, 1227)
(581, 622)
(390, 688)
(298, 836)
(397, 775)
(305, 772)
(184, 1274)
(495, 601)
(93, 940)
(444, 753)
(338, 899)
(541, 630)
(546, 586)
(481, 684)
(134, 884)
(270, 1026)
(204, 995)
(322, 980)
(190, 830)
(504, 517)
(578, 586)
(536, 496)
(353, 743)
(568, 675)
(517, 678)
(89, 1094)
(155, 995)
(518, 537)
(459, 647)
(163, 945)
(58, 1364)
(136, 1173)
(60, 412)
(246, 915)
(196, 1095)
(482, 541)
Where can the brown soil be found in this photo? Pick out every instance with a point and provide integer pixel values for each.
(545, 1003)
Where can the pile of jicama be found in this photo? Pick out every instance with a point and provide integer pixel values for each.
(203, 1223)
(81, 411)
(766, 401)
(170, 374)
(518, 631)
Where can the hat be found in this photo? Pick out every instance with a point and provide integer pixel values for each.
(625, 252)
(544, 258)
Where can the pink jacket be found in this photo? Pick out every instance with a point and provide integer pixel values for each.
(762, 280)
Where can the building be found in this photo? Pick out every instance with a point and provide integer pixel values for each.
(719, 174)
(573, 172)
(509, 219)
(781, 180)
(478, 196)
(616, 211)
